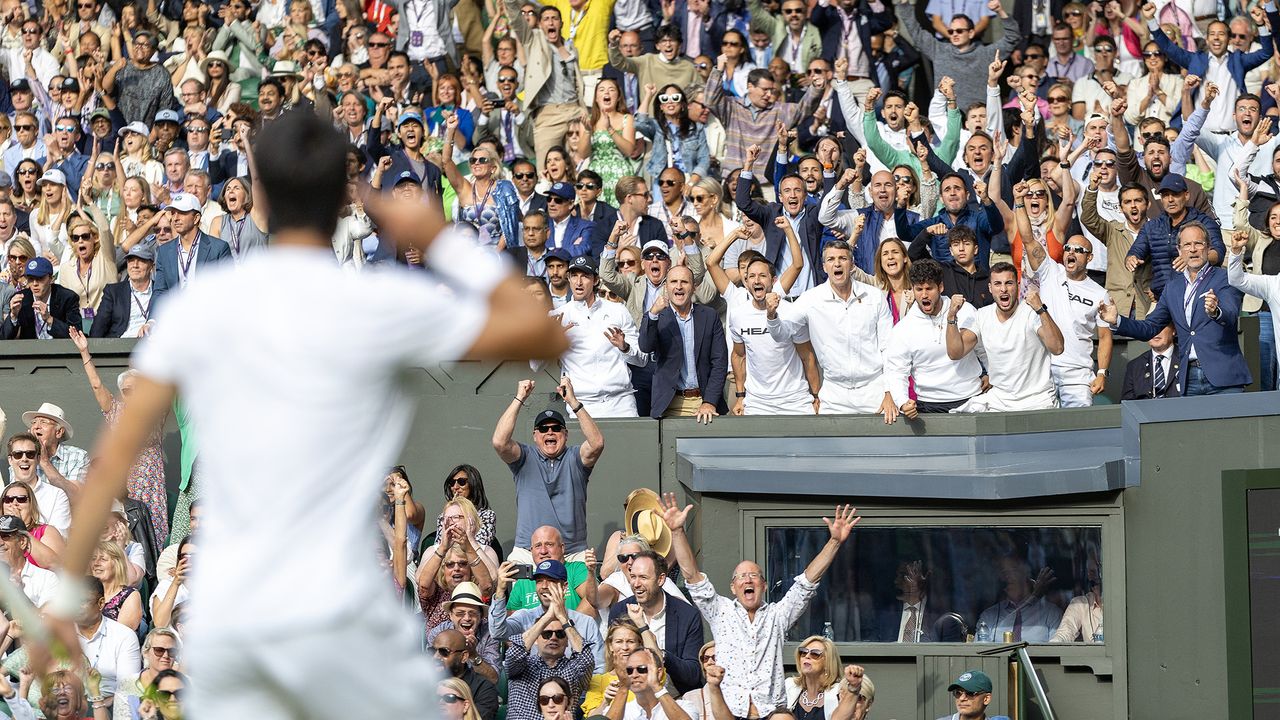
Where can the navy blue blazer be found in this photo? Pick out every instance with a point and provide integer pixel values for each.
(827, 19)
(112, 317)
(576, 239)
(1139, 383)
(683, 635)
(603, 217)
(210, 250)
(1215, 341)
(774, 239)
(710, 352)
(64, 307)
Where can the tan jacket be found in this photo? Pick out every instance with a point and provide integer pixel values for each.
(632, 287)
(1127, 290)
(538, 60)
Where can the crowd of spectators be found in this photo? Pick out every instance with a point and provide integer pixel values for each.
(761, 208)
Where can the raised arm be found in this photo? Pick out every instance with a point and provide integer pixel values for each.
(789, 276)
(959, 342)
(675, 518)
(593, 439)
(503, 443)
(839, 526)
(100, 392)
(1049, 333)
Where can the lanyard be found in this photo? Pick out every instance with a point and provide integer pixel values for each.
(145, 312)
(417, 16)
(1189, 297)
(575, 19)
(86, 279)
(184, 266)
(237, 229)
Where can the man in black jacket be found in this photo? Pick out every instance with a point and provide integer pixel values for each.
(961, 274)
(682, 633)
(1153, 374)
(43, 310)
(126, 305)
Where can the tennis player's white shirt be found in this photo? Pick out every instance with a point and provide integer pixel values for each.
(775, 382)
(1073, 304)
(296, 391)
(918, 349)
(1016, 360)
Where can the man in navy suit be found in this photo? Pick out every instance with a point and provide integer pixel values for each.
(43, 310)
(791, 205)
(692, 359)
(126, 305)
(1153, 374)
(1204, 309)
(179, 260)
(682, 633)
(567, 232)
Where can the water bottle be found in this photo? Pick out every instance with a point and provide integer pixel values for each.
(828, 632)
(983, 633)
(1097, 634)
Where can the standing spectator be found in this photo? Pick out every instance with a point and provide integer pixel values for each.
(1204, 310)
(580, 582)
(42, 310)
(755, 121)
(751, 651)
(1159, 240)
(567, 232)
(690, 359)
(674, 624)
(985, 217)
(1064, 62)
(468, 615)
(961, 274)
(425, 32)
(1154, 373)
(963, 53)
(1155, 93)
(553, 87)
(1015, 339)
(849, 30)
(791, 205)
(550, 475)
(142, 86)
(1159, 159)
(941, 13)
(31, 60)
(678, 141)
(792, 37)
(24, 462)
(177, 262)
(47, 543)
(1228, 150)
(817, 691)
(667, 65)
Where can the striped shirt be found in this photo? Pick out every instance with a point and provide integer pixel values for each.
(746, 125)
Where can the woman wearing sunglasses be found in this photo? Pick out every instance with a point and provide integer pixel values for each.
(159, 654)
(678, 141)
(464, 481)
(455, 700)
(1155, 93)
(46, 542)
(555, 699)
(622, 639)
(480, 200)
(817, 693)
(455, 558)
(92, 265)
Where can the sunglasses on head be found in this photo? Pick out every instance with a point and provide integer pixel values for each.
(670, 97)
(638, 670)
(548, 634)
(20, 454)
(20, 499)
(545, 700)
(587, 186)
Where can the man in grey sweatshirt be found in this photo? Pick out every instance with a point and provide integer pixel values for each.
(958, 57)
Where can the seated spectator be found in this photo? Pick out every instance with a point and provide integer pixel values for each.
(47, 543)
(701, 697)
(1154, 373)
(1022, 610)
(622, 639)
(24, 457)
(818, 688)
(118, 532)
(169, 556)
(126, 305)
(457, 703)
(123, 602)
(552, 584)
(479, 693)
(37, 583)
(448, 564)
(676, 627)
(555, 699)
(646, 682)
(166, 690)
(468, 616)
(465, 481)
(540, 652)
(63, 695)
(172, 592)
(684, 337)
(159, 653)
(1082, 620)
(42, 310)
(113, 646)
(548, 545)
(645, 530)
(972, 691)
(550, 475)
(62, 464)
(912, 620)
(752, 657)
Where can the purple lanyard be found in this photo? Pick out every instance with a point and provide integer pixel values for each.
(184, 267)
(237, 229)
(144, 311)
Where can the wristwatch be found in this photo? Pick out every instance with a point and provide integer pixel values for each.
(1042, 309)
(740, 394)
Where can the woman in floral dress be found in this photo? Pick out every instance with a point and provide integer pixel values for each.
(613, 138)
(146, 479)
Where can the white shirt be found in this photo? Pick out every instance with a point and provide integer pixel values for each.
(849, 337)
(917, 348)
(139, 310)
(113, 651)
(424, 39)
(1016, 360)
(345, 408)
(1222, 109)
(595, 366)
(658, 625)
(1227, 151)
(55, 508)
(618, 581)
(774, 370)
(1073, 304)
(38, 584)
(633, 711)
(804, 281)
(1108, 209)
(181, 596)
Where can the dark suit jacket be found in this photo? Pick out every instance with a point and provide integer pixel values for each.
(112, 317)
(603, 217)
(713, 28)
(835, 124)
(399, 163)
(537, 202)
(774, 239)
(210, 250)
(887, 622)
(1139, 381)
(64, 306)
(1216, 343)
(683, 636)
(827, 19)
(711, 356)
(576, 239)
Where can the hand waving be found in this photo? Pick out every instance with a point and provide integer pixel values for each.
(672, 514)
(845, 518)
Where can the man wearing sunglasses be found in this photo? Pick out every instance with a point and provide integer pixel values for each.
(64, 154)
(24, 464)
(972, 692)
(645, 678)
(552, 646)
(568, 233)
(453, 653)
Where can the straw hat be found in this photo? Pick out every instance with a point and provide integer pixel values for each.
(54, 413)
(643, 517)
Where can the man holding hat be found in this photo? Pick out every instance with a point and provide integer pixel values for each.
(43, 310)
(126, 305)
(177, 262)
(643, 530)
(567, 231)
(63, 466)
(972, 691)
(38, 584)
(603, 342)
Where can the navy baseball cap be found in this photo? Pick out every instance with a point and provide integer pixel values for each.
(38, 267)
(20, 85)
(563, 190)
(544, 416)
(408, 176)
(583, 263)
(1173, 183)
(553, 569)
(559, 254)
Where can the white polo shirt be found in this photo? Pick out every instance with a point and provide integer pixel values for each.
(848, 336)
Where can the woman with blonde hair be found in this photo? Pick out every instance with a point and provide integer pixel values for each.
(137, 157)
(123, 602)
(455, 699)
(92, 265)
(48, 232)
(715, 225)
(622, 639)
(20, 251)
(815, 694)
(46, 542)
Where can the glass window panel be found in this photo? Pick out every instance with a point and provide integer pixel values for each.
(960, 581)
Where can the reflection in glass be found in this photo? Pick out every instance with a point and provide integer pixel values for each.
(946, 584)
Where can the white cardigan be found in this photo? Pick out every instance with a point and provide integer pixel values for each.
(830, 698)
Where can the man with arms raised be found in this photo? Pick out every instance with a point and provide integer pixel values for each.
(237, 342)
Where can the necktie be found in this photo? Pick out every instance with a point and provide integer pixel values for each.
(1017, 625)
(909, 632)
(1158, 385)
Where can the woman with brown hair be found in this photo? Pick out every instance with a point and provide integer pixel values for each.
(46, 542)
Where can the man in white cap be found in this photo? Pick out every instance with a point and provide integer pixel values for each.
(177, 262)
(62, 465)
(24, 465)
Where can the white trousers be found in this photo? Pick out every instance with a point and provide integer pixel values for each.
(843, 400)
(1072, 386)
(797, 404)
(607, 406)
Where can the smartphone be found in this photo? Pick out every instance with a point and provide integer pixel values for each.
(524, 572)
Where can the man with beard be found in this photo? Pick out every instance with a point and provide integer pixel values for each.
(603, 344)
(1073, 301)
(915, 350)
(791, 205)
(1157, 160)
(848, 324)
(869, 226)
(689, 357)
(453, 652)
(1157, 242)
(675, 625)
(985, 219)
(773, 374)
(557, 271)
(1014, 339)
(862, 119)
(1126, 288)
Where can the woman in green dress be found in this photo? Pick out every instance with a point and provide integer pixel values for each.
(613, 138)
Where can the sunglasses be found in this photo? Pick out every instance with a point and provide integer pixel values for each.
(1106, 163)
(81, 236)
(731, 43)
(30, 31)
(903, 179)
(1077, 249)
(587, 186)
(20, 499)
(624, 558)
(455, 564)
(1148, 137)
(666, 183)
(817, 71)
(480, 160)
(462, 481)
(686, 234)
(709, 657)
(814, 653)
(20, 454)
(625, 264)
(548, 634)
(444, 651)
(771, 89)
(506, 79)
(957, 694)
(655, 255)
(702, 65)
(550, 428)
(379, 44)
(1075, 13)
(545, 700)
(699, 198)
(1239, 36)
(525, 175)
(1152, 53)
(25, 127)
(958, 31)
(1103, 48)
(18, 258)
(450, 698)
(1059, 99)
(65, 128)
(670, 98)
(103, 166)
(558, 199)
(1034, 56)
(166, 696)
(638, 670)
(163, 651)
(1036, 193)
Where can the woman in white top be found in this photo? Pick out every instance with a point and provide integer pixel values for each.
(714, 225)
(48, 231)
(817, 692)
(137, 158)
(1155, 93)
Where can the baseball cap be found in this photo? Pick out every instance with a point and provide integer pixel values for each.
(13, 523)
(656, 245)
(38, 267)
(53, 176)
(544, 416)
(167, 116)
(410, 116)
(142, 252)
(70, 84)
(1173, 183)
(137, 126)
(583, 263)
(558, 254)
(97, 113)
(184, 203)
(974, 681)
(20, 85)
(408, 176)
(563, 190)
(553, 569)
